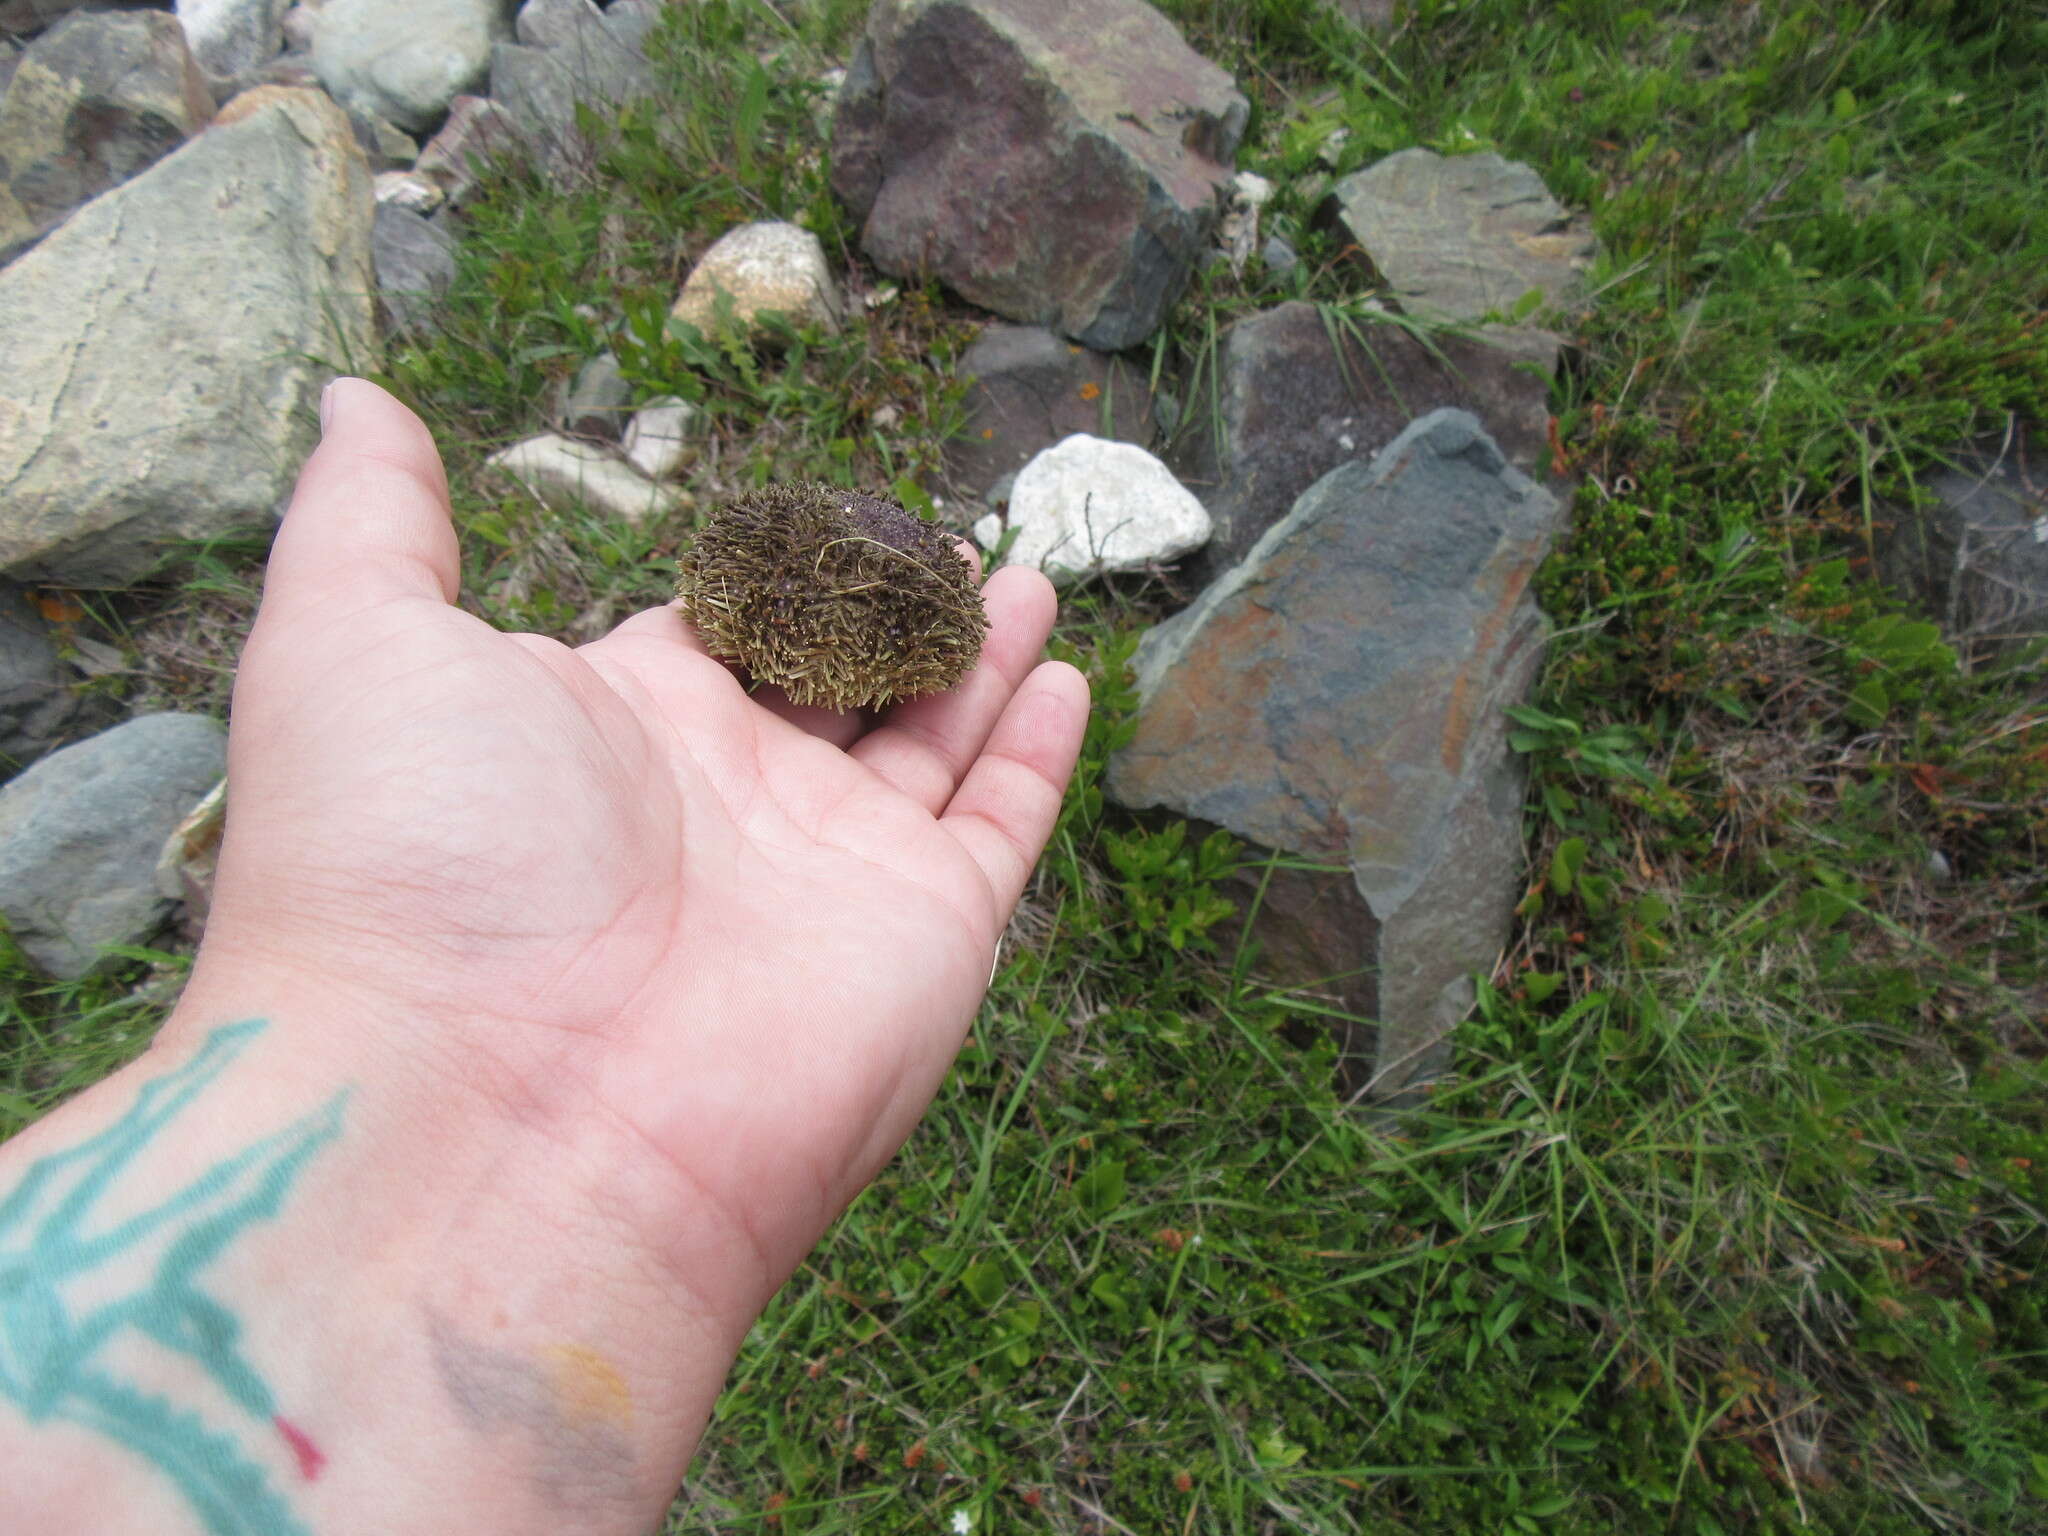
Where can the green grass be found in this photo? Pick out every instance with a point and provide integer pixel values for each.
(1730, 1215)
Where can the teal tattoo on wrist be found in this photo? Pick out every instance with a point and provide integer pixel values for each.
(82, 1270)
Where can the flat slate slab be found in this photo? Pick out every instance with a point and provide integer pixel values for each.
(1461, 237)
(1338, 696)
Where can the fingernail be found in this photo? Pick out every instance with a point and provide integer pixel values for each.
(326, 406)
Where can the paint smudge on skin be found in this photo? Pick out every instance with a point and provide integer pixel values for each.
(587, 1386)
(310, 1457)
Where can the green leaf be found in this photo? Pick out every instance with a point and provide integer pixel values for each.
(1101, 1189)
(1541, 984)
(985, 1281)
(1565, 864)
(1274, 1450)
(747, 120)
(1869, 703)
(1108, 1290)
(1845, 103)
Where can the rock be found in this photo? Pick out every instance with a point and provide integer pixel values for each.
(1029, 389)
(27, 16)
(555, 23)
(657, 436)
(231, 37)
(762, 268)
(36, 701)
(81, 830)
(408, 190)
(406, 59)
(1056, 161)
(594, 405)
(386, 145)
(94, 100)
(1292, 407)
(10, 55)
(189, 861)
(158, 373)
(289, 69)
(297, 26)
(988, 531)
(561, 473)
(1238, 234)
(415, 261)
(604, 66)
(1461, 237)
(478, 130)
(1279, 256)
(1087, 506)
(1337, 696)
(1977, 554)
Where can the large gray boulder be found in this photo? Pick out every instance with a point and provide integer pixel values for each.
(36, 701)
(1975, 553)
(163, 351)
(406, 59)
(94, 100)
(1058, 162)
(1461, 237)
(1338, 697)
(597, 59)
(1028, 389)
(81, 831)
(1296, 391)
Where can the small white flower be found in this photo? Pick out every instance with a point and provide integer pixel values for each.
(963, 1522)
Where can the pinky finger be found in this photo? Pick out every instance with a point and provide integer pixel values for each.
(1005, 807)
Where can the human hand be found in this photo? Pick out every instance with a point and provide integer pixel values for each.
(605, 884)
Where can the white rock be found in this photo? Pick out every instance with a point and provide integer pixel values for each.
(563, 473)
(1086, 506)
(769, 266)
(409, 190)
(988, 531)
(656, 435)
(406, 59)
(231, 37)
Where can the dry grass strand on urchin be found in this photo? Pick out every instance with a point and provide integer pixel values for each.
(842, 598)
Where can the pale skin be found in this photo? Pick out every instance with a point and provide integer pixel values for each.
(618, 983)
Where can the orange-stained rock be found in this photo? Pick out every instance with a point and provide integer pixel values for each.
(1338, 697)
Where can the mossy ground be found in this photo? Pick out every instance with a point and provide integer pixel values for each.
(1731, 1214)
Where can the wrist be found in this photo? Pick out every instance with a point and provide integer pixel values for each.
(416, 1299)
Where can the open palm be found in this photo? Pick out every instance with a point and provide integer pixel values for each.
(609, 882)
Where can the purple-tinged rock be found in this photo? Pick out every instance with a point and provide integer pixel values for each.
(1056, 161)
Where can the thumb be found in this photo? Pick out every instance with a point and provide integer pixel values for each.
(369, 520)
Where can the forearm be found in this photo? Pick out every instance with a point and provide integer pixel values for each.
(266, 1282)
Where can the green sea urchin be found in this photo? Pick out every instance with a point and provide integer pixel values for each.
(842, 598)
